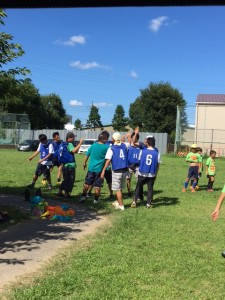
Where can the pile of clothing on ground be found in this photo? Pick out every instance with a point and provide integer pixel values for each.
(41, 209)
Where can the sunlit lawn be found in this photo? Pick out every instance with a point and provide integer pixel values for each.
(172, 251)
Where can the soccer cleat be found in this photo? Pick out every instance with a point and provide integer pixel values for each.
(67, 196)
(44, 181)
(115, 204)
(49, 187)
(148, 206)
(59, 181)
(184, 189)
(210, 190)
(133, 205)
(88, 195)
(197, 187)
(192, 190)
(59, 194)
(31, 186)
(139, 200)
(121, 207)
(95, 201)
(82, 199)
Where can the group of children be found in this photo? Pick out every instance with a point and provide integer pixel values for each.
(114, 161)
(195, 160)
(50, 156)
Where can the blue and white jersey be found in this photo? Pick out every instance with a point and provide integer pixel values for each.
(149, 160)
(118, 154)
(133, 155)
(44, 150)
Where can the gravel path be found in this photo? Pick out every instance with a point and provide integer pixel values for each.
(27, 246)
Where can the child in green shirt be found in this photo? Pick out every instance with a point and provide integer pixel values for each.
(211, 170)
(193, 158)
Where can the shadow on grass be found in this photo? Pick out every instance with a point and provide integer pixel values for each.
(20, 242)
(165, 201)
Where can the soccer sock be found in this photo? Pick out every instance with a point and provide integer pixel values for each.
(209, 185)
(96, 198)
(212, 184)
(194, 184)
(186, 184)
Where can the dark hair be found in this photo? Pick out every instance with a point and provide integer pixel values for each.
(212, 152)
(199, 149)
(137, 136)
(42, 137)
(151, 141)
(106, 133)
(102, 137)
(55, 134)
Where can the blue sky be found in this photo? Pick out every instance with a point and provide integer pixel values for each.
(106, 55)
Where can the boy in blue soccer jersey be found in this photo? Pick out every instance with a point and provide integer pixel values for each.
(56, 144)
(69, 165)
(45, 148)
(148, 169)
(117, 155)
(133, 160)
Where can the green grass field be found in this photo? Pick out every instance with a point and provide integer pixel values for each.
(172, 251)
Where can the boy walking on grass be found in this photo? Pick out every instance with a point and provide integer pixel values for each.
(67, 158)
(96, 153)
(148, 170)
(193, 158)
(117, 155)
(45, 148)
(211, 170)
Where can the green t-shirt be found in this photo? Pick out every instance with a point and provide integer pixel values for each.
(70, 147)
(96, 155)
(193, 157)
(210, 163)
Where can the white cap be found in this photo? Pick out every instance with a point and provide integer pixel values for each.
(117, 138)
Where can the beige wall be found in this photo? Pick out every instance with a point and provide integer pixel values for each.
(210, 127)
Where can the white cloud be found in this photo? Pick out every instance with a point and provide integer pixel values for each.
(75, 103)
(133, 74)
(73, 40)
(77, 64)
(155, 24)
(102, 104)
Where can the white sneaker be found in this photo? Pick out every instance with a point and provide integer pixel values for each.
(95, 201)
(82, 198)
(121, 207)
(115, 204)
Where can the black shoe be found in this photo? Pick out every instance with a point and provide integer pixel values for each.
(30, 186)
(59, 194)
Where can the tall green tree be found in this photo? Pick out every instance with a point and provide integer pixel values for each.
(9, 51)
(94, 117)
(20, 98)
(54, 114)
(78, 124)
(156, 107)
(119, 120)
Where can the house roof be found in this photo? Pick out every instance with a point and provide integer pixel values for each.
(211, 98)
